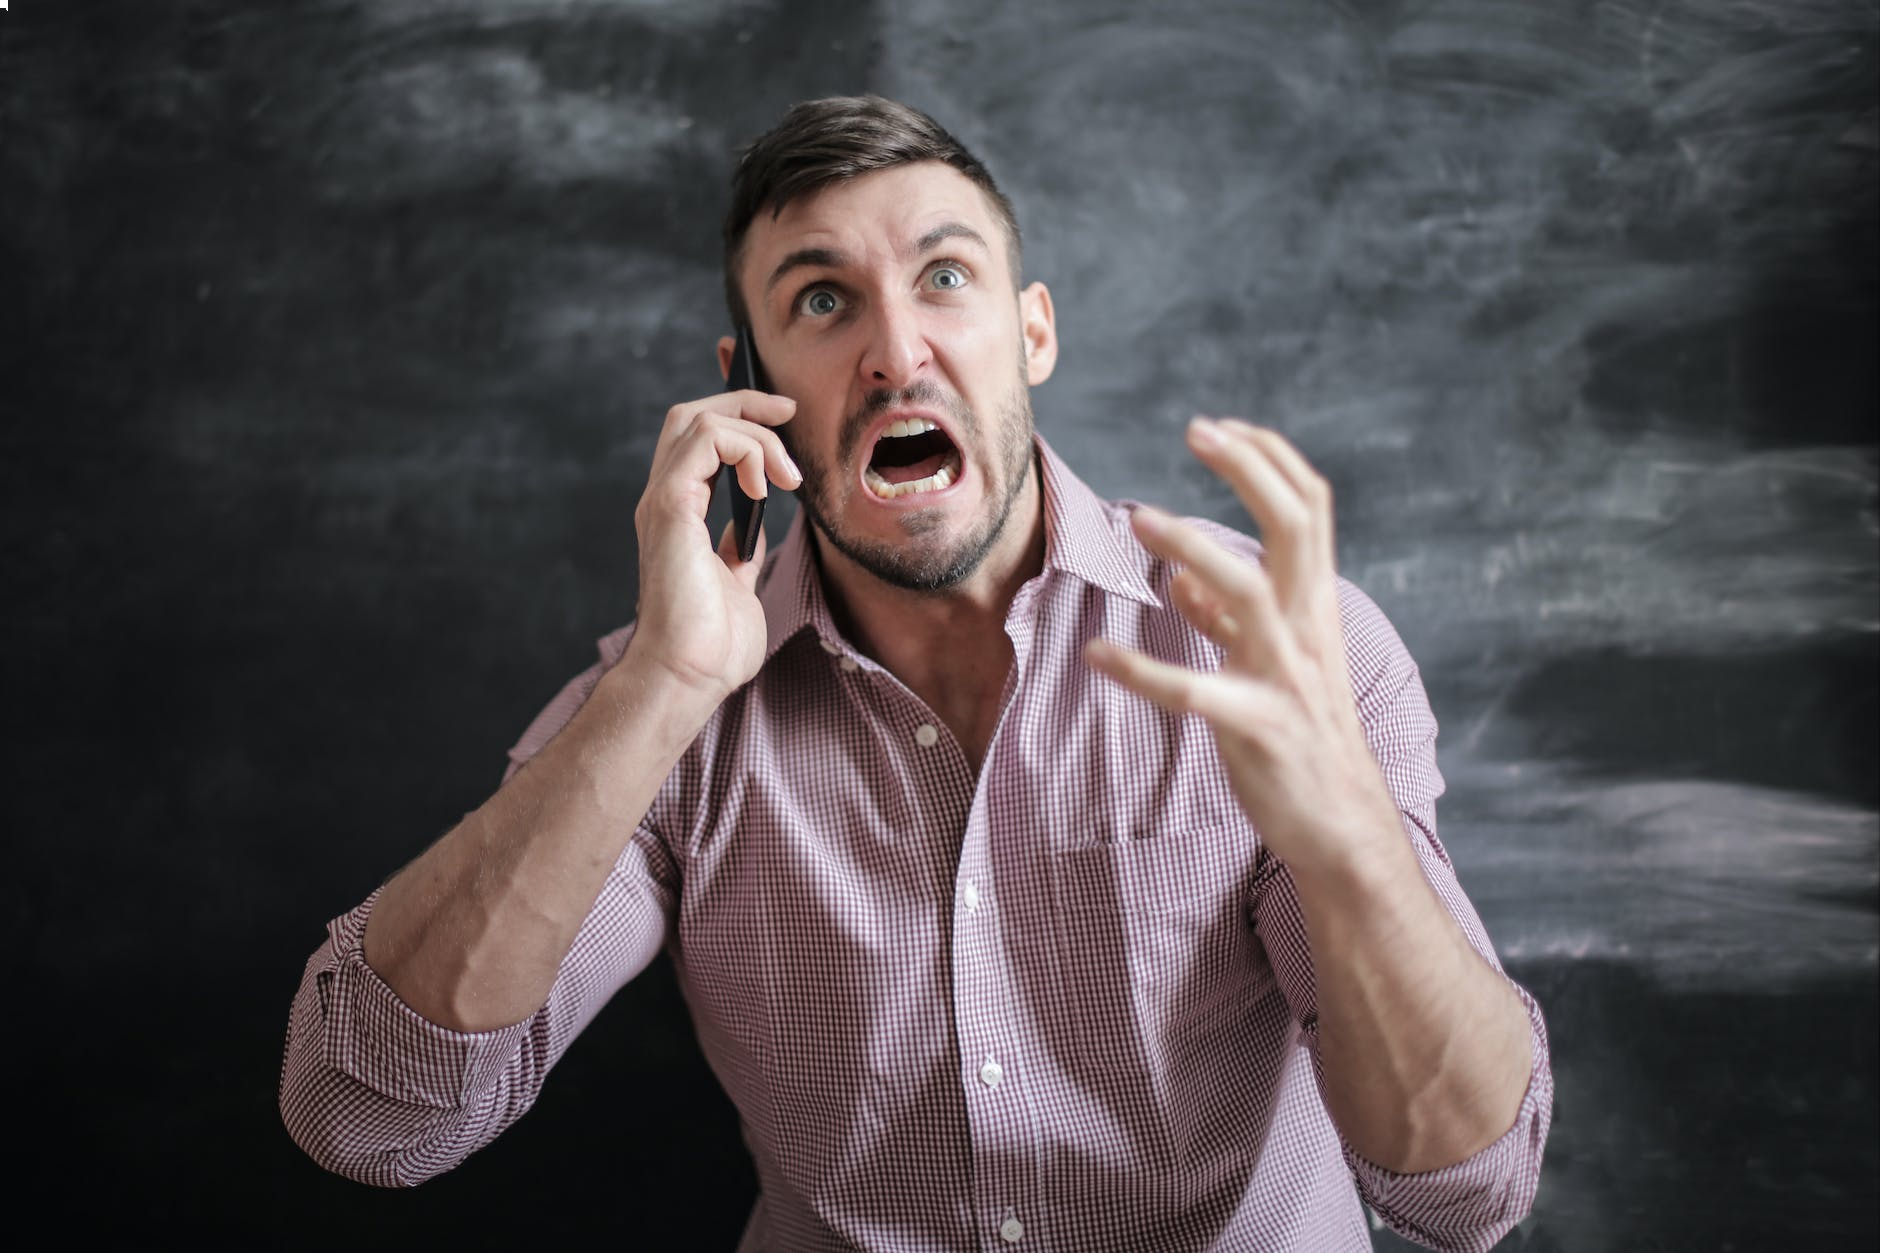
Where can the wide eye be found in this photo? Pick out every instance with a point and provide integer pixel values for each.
(947, 277)
(818, 302)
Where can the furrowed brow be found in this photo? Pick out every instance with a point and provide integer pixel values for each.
(804, 258)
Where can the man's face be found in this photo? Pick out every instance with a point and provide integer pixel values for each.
(884, 306)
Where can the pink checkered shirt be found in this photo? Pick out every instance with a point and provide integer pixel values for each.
(1066, 1004)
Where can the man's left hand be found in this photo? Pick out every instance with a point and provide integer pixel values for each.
(1281, 705)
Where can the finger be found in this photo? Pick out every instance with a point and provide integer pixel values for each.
(1287, 459)
(1285, 519)
(755, 412)
(1171, 687)
(1226, 701)
(753, 406)
(750, 471)
(685, 475)
(775, 464)
(1240, 585)
(1272, 500)
(754, 454)
(1313, 488)
(1255, 637)
(1203, 608)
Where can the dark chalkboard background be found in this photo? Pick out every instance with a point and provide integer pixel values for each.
(334, 339)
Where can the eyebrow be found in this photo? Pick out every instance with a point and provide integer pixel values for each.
(827, 258)
(833, 259)
(945, 231)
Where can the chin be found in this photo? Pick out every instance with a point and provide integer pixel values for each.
(934, 548)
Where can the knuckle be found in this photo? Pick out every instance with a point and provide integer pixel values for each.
(1288, 520)
(657, 500)
(1249, 600)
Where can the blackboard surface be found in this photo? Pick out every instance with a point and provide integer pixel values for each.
(334, 340)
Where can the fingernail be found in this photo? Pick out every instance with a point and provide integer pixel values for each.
(1148, 517)
(1204, 433)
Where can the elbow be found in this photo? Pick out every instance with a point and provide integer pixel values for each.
(1469, 1207)
(1465, 1222)
(324, 1135)
(356, 1134)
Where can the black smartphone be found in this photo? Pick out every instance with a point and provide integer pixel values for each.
(747, 513)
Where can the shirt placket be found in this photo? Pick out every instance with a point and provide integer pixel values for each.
(1005, 1175)
(995, 1063)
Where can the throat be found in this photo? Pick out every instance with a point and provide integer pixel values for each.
(969, 699)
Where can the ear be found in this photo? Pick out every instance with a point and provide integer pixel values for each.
(726, 346)
(1037, 328)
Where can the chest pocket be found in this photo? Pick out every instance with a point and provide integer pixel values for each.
(1154, 947)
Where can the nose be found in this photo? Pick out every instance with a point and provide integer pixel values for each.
(897, 350)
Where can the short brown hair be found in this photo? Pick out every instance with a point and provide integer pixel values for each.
(820, 142)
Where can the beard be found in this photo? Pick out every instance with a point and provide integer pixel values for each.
(924, 567)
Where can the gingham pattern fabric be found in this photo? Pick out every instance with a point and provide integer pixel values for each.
(1065, 1005)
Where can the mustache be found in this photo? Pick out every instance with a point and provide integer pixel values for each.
(924, 393)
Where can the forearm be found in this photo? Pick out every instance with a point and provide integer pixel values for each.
(472, 933)
(1426, 1050)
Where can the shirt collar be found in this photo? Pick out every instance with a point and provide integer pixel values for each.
(1083, 539)
(1086, 538)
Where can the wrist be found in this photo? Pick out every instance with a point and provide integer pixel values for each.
(1359, 858)
(657, 696)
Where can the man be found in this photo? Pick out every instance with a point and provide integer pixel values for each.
(1041, 872)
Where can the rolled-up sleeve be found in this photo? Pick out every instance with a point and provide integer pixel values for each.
(1467, 1206)
(374, 1091)
(1473, 1203)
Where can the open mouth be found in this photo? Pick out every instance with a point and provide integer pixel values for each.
(912, 456)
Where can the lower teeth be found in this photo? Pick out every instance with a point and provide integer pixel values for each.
(943, 477)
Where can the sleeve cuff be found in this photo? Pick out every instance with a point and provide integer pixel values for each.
(378, 1040)
(1472, 1203)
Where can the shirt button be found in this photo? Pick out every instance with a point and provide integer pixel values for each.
(1011, 1231)
(991, 1073)
(972, 897)
(850, 664)
(828, 645)
(925, 735)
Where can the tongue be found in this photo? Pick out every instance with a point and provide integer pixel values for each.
(917, 470)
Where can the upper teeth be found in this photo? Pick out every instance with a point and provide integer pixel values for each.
(909, 426)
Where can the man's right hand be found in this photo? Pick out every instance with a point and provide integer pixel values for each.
(698, 618)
